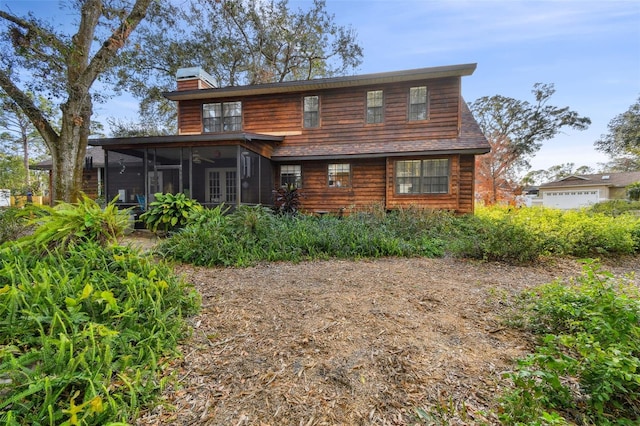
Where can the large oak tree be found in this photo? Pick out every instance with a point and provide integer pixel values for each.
(236, 41)
(63, 66)
(516, 130)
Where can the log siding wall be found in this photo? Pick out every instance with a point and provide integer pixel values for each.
(343, 121)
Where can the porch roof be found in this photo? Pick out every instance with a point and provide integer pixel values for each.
(170, 139)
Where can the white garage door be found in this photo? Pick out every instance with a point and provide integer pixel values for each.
(570, 199)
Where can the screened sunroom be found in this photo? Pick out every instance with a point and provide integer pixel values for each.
(212, 172)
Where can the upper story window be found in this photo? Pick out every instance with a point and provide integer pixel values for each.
(339, 175)
(422, 176)
(311, 107)
(291, 175)
(375, 108)
(222, 117)
(418, 103)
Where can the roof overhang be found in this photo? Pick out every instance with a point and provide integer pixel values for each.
(196, 139)
(281, 159)
(325, 83)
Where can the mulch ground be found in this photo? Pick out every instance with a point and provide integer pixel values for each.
(351, 342)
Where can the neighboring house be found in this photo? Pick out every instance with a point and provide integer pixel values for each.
(578, 191)
(395, 139)
(92, 173)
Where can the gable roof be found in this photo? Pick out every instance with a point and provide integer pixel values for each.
(324, 83)
(600, 179)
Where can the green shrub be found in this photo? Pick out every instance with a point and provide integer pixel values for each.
(615, 207)
(85, 333)
(169, 212)
(590, 336)
(71, 223)
(495, 239)
(13, 224)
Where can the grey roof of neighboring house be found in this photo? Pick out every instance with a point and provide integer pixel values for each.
(600, 179)
(325, 83)
(95, 152)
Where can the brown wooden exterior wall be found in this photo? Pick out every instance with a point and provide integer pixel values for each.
(373, 183)
(343, 121)
(342, 114)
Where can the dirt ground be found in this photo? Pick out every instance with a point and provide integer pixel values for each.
(351, 342)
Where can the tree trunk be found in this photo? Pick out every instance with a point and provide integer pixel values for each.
(69, 151)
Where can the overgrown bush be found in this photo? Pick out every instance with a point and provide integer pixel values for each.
(586, 369)
(615, 207)
(169, 212)
(13, 224)
(571, 233)
(253, 234)
(495, 239)
(71, 223)
(87, 328)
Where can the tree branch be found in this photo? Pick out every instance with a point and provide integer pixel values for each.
(29, 108)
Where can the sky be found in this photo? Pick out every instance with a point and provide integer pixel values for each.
(589, 50)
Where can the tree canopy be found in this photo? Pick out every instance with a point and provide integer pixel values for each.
(62, 63)
(516, 130)
(622, 142)
(236, 41)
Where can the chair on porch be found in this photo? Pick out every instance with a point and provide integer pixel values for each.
(142, 201)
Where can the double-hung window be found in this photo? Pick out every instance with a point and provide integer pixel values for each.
(339, 175)
(311, 109)
(375, 108)
(291, 175)
(222, 117)
(418, 103)
(422, 176)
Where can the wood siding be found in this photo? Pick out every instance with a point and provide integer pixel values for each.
(342, 115)
(343, 121)
(373, 183)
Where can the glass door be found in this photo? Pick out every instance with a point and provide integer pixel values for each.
(221, 186)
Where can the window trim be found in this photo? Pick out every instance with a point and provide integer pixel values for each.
(298, 177)
(304, 112)
(332, 184)
(222, 119)
(422, 178)
(380, 107)
(425, 103)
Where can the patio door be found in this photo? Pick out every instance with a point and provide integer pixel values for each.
(221, 186)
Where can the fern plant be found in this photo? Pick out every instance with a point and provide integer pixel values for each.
(69, 223)
(169, 212)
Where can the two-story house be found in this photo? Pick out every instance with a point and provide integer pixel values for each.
(398, 139)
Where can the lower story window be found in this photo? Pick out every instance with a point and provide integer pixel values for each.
(422, 176)
(291, 175)
(339, 175)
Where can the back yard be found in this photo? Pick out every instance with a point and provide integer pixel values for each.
(394, 341)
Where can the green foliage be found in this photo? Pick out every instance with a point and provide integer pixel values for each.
(67, 224)
(169, 212)
(569, 233)
(13, 224)
(254, 234)
(86, 332)
(495, 239)
(615, 207)
(633, 190)
(287, 199)
(586, 368)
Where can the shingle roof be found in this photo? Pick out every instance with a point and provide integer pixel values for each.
(471, 140)
(600, 179)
